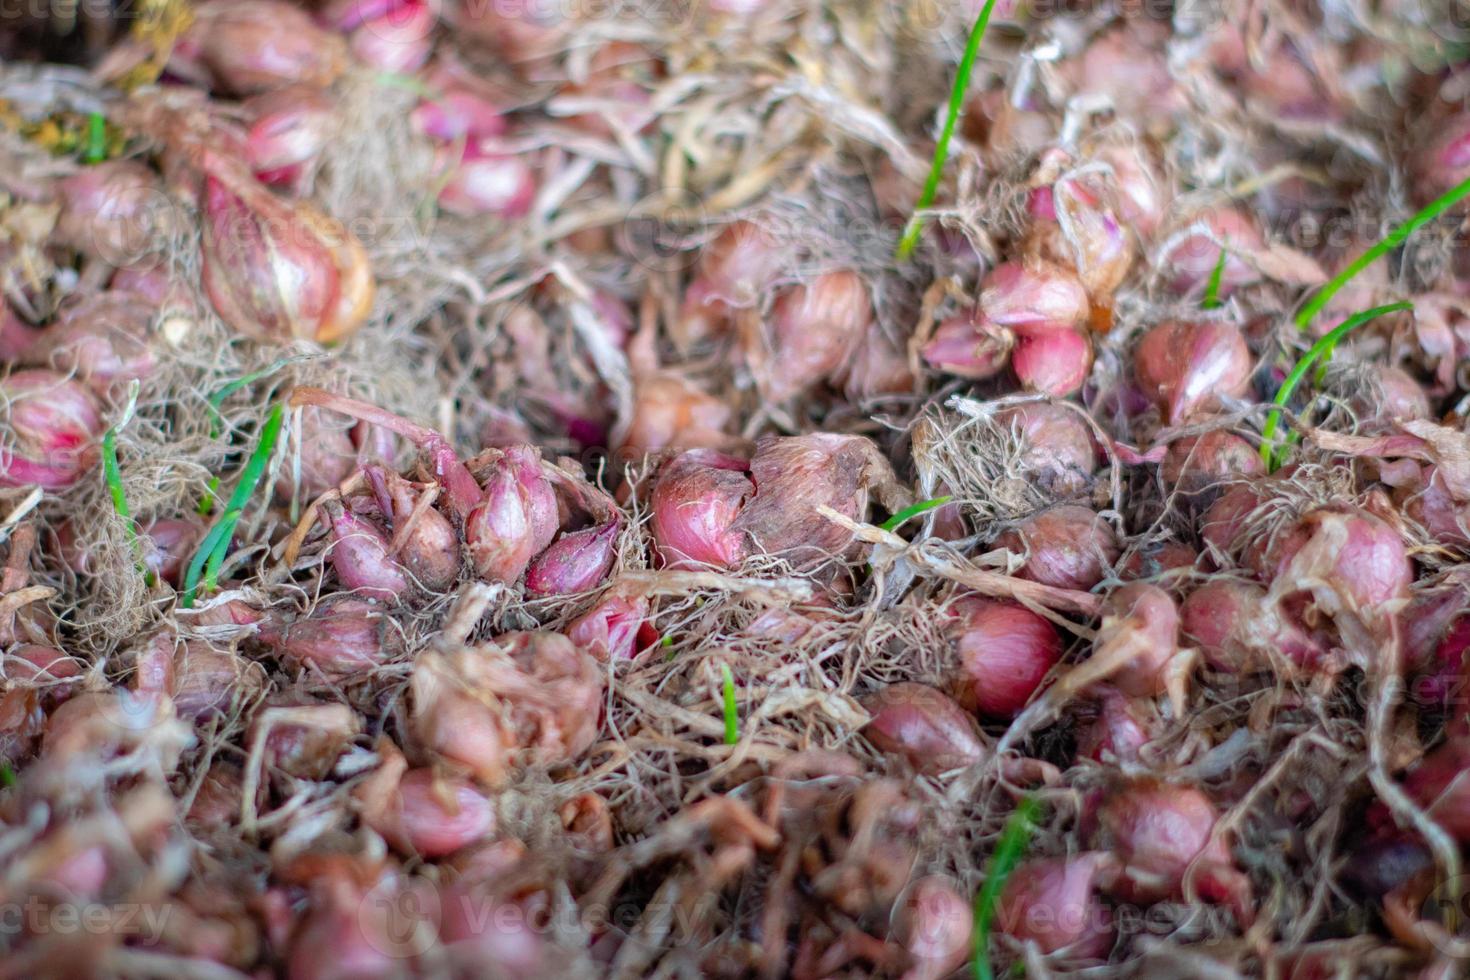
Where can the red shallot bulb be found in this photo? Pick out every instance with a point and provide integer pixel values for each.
(425, 816)
(103, 338)
(359, 555)
(1058, 452)
(970, 347)
(1225, 521)
(1129, 68)
(1445, 160)
(279, 270)
(1439, 785)
(54, 425)
(427, 543)
(1160, 831)
(924, 726)
(355, 925)
(341, 637)
(578, 562)
(1121, 728)
(734, 272)
(1347, 559)
(1140, 624)
(1051, 358)
(464, 107)
(813, 328)
(1222, 618)
(1193, 465)
(695, 501)
(252, 46)
(671, 412)
(486, 181)
(1005, 652)
(170, 545)
(1053, 902)
(610, 630)
(515, 519)
(934, 928)
(1139, 198)
(1033, 292)
(113, 211)
(527, 697)
(290, 127)
(1068, 546)
(1088, 235)
(1189, 261)
(396, 39)
(207, 681)
(1191, 368)
(1394, 397)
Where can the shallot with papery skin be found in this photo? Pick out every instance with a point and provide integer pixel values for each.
(1355, 556)
(611, 629)
(527, 697)
(1120, 729)
(1087, 234)
(359, 554)
(1053, 902)
(1190, 368)
(1140, 627)
(934, 928)
(1051, 358)
(341, 637)
(464, 108)
(812, 330)
(1068, 546)
(252, 46)
(55, 424)
(970, 347)
(290, 127)
(1037, 292)
(579, 561)
(1190, 259)
(419, 813)
(1058, 450)
(485, 180)
(671, 412)
(279, 270)
(516, 518)
(1444, 160)
(170, 543)
(1439, 784)
(1163, 834)
(924, 726)
(1005, 652)
(397, 39)
(114, 211)
(425, 543)
(695, 502)
(1193, 465)
(207, 681)
(102, 338)
(734, 271)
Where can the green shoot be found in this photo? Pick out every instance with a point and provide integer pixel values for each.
(1014, 838)
(96, 149)
(1321, 350)
(1389, 242)
(112, 474)
(7, 775)
(216, 544)
(1212, 288)
(908, 513)
(941, 149)
(732, 717)
(218, 398)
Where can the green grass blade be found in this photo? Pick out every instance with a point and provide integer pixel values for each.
(1014, 838)
(215, 546)
(941, 149)
(1389, 242)
(1211, 300)
(1321, 350)
(908, 513)
(218, 398)
(96, 149)
(112, 476)
(7, 775)
(732, 717)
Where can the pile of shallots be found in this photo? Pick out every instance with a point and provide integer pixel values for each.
(479, 495)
